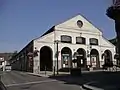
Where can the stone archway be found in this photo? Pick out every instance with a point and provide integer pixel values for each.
(82, 55)
(46, 62)
(66, 57)
(94, 58)
(107, 57)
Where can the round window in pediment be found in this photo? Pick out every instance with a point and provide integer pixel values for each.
(79, 23)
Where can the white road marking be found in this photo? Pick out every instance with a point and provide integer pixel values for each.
(93, 88)
(27, 83)
(13, 81)
(91, 82)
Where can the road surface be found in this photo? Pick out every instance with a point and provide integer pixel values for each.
(22, 81)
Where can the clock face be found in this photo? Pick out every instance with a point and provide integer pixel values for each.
(79, 23)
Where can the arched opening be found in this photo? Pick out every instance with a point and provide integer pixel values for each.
(82, 58)
(107, 57)
(94, 59)
(46, 61)
(66, 57)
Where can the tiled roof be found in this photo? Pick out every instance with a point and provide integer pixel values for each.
(49, 31)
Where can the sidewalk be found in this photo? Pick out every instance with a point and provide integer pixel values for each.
(49, 73)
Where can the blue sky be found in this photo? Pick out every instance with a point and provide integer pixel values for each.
(23, 20)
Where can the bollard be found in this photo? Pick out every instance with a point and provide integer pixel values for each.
(54, 71)
(1, 75)
(45, 70)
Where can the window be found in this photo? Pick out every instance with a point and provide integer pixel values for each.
(66, 39)
(79, 23)
(80, 40)
(93, 41)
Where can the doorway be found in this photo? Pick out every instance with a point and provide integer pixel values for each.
(82, 61)
(46, 61)
(94, 58)
(66, 57)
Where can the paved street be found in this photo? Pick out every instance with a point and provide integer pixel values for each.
(23, 81)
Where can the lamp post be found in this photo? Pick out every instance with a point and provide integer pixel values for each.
(113, 12)
(89, 50)
(57, 41)
(78, 62)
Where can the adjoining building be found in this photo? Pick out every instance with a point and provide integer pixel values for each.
(4, 60)
(58, 47)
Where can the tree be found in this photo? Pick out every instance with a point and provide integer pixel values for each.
(14, 53)
(114, 13)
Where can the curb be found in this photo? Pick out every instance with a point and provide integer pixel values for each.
(39, 75)
(50, 75)
(88, 87)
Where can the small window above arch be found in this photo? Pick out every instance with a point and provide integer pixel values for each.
(66, 39)
(93, 41)
(80, 40)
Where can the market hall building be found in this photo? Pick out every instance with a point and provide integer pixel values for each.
(62, 44)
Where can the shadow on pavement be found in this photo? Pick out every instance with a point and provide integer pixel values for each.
(2, 87)
(103, 80)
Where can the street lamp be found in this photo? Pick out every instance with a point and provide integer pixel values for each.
(77, 57)
(89, 50)
(57, 41)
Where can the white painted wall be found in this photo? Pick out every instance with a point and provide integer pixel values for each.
(71, 25)
(70, 28)
(3, 65)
